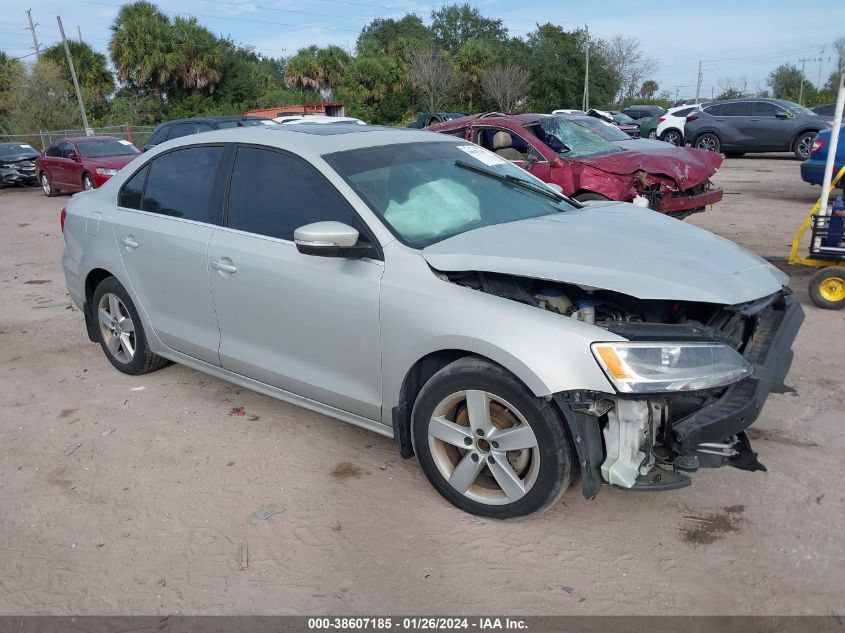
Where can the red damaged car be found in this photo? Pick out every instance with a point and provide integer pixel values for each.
(674, 180)
(86, 162)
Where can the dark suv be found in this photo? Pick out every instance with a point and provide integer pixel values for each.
(753, 125)
(185, 127)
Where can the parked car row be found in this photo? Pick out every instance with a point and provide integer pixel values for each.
(509, 337)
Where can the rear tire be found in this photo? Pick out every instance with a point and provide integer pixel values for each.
(708, 142)
(803, 143)
(487, 444)
(827, 288)
(673, 137)
(88, 182)
(121, 332)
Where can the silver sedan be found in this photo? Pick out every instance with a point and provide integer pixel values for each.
(426, 289)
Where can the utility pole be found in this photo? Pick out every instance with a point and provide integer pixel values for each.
(88, 131)
(698, 83)
(79, 33)
(32, 30)
(585, 103)
(803, 61)
(821, 61)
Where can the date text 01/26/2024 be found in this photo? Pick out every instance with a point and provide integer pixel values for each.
(416, 623)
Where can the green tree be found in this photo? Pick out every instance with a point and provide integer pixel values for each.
(142, 47)
(38, 99)
(649, 89)
(96, 81)
(247, 77)
(317, 69)
(556, 62)
(471, 60)
(456, 24)
(785, 81)
(198, 56)
(730, 93)
(376, 89)
(394, 37)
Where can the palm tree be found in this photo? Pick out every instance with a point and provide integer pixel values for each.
(142, 47)
(95, 78)
(201, 55)
(317, 69)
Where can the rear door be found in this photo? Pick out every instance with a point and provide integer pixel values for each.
(302, 323)
(167, 212)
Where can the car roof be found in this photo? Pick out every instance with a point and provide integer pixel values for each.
(83, 139)
(311, 140)
(217, 118)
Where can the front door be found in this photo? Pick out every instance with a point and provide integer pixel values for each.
(302, 323)
(166, 216)
(773, 133)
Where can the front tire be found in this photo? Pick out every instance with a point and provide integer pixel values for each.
(88, 183)
(802, 145)
(708, 142)
(827, 288)
(487, 444)
(121, 331)
(47, 186)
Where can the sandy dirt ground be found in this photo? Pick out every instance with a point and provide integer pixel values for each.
(148, 495)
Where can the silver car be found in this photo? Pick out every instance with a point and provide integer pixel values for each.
(426, 289)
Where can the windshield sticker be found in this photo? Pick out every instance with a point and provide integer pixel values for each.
(479, 153)
(122, 142)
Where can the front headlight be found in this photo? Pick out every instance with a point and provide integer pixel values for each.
(661, 367)
(106, 172)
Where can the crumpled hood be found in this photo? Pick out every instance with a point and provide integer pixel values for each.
(687, 166)
(24, 154)
(615, 246)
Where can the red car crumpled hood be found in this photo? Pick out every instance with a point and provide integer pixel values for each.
(688, 167)
(109, 162)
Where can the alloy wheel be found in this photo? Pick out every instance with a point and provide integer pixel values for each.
(673, 138)
(484, 447)
(45, 184)
(87, 183)
(116, 327)
(707, 143)
(805, 143)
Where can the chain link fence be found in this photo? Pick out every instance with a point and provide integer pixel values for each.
(136, 134)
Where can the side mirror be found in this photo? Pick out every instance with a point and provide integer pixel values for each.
(330, 239)
(73, 156)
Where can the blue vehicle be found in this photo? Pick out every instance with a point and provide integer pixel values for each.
(812, 169)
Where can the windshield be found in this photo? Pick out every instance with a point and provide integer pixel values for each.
(16, 149)
(799, 109)
(602, 128)
(570, 140)
(624, 119)
(424, 192)
(106, 147)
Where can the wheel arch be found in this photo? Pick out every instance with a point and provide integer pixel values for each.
(93, 279)
(801, 132)
(419, 374)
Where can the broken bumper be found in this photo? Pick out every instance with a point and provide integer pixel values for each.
(770, 351)
(681, 202)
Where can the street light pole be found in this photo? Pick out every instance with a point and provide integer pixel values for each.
(88, 130)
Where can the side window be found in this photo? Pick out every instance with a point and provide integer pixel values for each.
(274, 194)
(715, 110)
(180, 129)
(683, 113)
(159, 135)
(739, 108)
(65, 150)
(761, 108)
(180, 183)
(53, 151)
(132, 190)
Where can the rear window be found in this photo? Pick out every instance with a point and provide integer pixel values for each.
(683, 112)
(180, 183)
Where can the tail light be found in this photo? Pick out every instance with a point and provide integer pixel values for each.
(64, 215)
(817, 146)
(661, 119)
(692, 117)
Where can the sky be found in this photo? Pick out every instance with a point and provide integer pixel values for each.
(736, 40)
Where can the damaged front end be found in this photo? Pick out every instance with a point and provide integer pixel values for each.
(689, 379)
(665, 196)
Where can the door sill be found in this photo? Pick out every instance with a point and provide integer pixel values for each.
(275, 392)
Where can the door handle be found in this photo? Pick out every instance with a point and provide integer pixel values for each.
(129, 242)
(223, 265)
